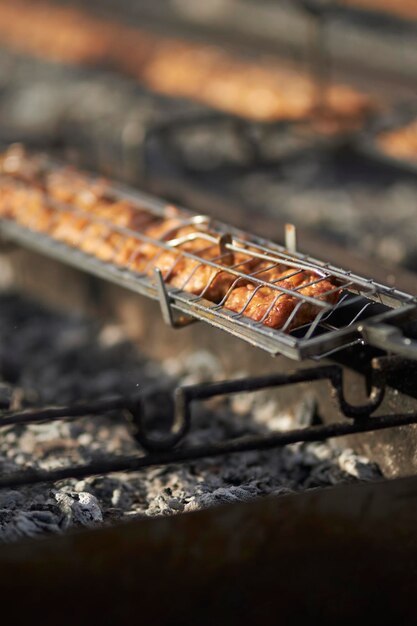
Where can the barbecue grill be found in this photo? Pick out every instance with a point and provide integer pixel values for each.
(334, 327)
(356, 359)
(367, 313)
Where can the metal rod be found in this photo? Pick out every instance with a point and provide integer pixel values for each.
(50, 414)
(267, 250)
(230, 241)
(184, 395)
(137, 463)
(332, 373)
(291, 238)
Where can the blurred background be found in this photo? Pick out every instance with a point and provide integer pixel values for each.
(256, 111)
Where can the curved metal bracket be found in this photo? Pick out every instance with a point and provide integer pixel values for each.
(375, 397)
(179, 427)
(183, 396)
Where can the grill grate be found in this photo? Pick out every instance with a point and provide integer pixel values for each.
(334, 326)
(160, 450)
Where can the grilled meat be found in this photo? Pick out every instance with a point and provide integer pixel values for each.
(83, 213)
(263, 90)
(400, 143)
(277, 308)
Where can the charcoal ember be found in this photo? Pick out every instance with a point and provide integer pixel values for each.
(11, 499)
(65, 358)
(165, 505)
(358, 466)
(112, 493)
(16, 524)
(221, 495)
(79, 509)
(13, 527)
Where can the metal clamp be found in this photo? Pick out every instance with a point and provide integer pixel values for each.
(170, 317)
(390, 339)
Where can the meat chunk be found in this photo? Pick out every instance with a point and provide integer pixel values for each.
(273, 307)
(400, 143)
(84, 214)
(263, 89)
(193, 274)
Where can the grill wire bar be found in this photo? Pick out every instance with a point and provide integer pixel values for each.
(50, 414)
(182, 455)
(160, 450)
(326, 333)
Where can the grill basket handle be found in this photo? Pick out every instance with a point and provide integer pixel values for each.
(389, 338)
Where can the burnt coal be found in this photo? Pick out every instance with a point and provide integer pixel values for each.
(61, 359)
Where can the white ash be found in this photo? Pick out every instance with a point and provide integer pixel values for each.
(49, 358)
(79, 508)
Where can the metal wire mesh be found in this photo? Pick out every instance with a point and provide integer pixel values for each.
(196, 247)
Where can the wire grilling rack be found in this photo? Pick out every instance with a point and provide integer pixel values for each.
(364, 310)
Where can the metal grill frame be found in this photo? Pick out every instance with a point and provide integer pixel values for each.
(271, 340)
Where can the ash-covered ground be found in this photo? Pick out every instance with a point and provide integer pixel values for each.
(51, 358)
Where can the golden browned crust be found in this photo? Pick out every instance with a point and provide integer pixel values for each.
(273, 307)
(82, 213)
